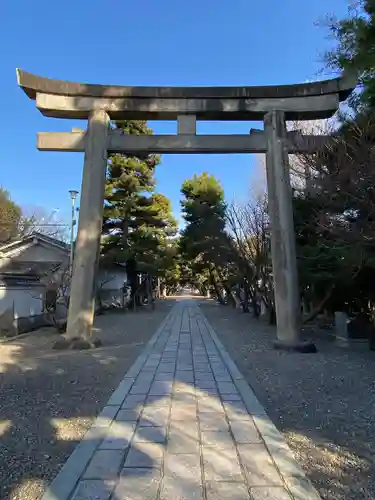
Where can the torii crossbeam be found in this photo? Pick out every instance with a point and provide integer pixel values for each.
(100, 103)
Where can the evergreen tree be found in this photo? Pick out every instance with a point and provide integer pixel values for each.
(204, 241)
(136, 220)
(355, 47)
(10, 217)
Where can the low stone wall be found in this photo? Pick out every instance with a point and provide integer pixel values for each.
(30, 323)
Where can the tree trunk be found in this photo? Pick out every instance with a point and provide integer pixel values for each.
(272, 314)
(256, 312)
(216, 288)
(244, 302)
(231, 299)
(246, 299)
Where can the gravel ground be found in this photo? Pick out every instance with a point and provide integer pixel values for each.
(48, 399)
(323, 403)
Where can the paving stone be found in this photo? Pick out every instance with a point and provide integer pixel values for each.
(164, 377)
(149, 370)
(177, 489)
(219, 466)
(141, 388)
(183, 466)
(236, 410)
(184, 398)
(166, 367)
(202, 367)
(259, 467)
(144, 455)
(160, 389)
(121, 392)
(212, 422)
(118, 437)
(251, 402)
(226, 387)
(223, 378)
(144, 378)
(271, 493)
(205, 378)
(128, 415)
(217, 439)
(106, 416)
(209, 404)
(138, 484)
(184, 365)
(105, 464)
(182, 441)
(179, 386)
(154, 417)
(190, 427)
(227, 491)
(244, 431)
(182, 411)
(208, 393)
(285, 461)
(133, 401)
(94, 489)
(217, 365)
(151, 363)
(301, 489)
(157, 401)
(150, 434)
(227, 398)
(187, 377)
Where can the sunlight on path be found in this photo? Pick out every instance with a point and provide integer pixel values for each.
(183, 424)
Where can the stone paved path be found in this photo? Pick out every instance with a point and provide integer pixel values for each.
(183, 424)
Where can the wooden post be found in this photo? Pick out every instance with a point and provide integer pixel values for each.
(83, 286)
(283, 247)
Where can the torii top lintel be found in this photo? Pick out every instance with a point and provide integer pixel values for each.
(167, 102)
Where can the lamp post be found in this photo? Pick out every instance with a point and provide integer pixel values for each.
(73, 197)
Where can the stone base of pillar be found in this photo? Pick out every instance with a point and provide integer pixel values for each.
(302, 346)
(76, 343)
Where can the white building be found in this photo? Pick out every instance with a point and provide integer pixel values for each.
(31, 265)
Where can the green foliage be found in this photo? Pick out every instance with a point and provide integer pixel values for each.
(355, 46)
(204, 239)
(137, 221)
(335, 223)
(10, 217)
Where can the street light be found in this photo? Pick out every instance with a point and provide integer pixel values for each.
(73, 197)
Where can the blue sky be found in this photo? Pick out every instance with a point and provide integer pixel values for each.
(150, 42)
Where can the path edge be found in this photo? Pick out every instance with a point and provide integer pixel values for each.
(66, 479)
(298, 484)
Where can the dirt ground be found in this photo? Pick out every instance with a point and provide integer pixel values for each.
(48, 399)
(323, 403)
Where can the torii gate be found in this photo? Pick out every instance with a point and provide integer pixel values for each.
(100, 103)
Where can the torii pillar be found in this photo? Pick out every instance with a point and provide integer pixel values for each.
(283, 244)
(86, 257)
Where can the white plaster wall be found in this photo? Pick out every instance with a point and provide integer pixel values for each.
(27, 301)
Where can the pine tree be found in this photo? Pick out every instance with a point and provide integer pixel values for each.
(10, 217)
(136, 220)
(204, 241)
(355, 47)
